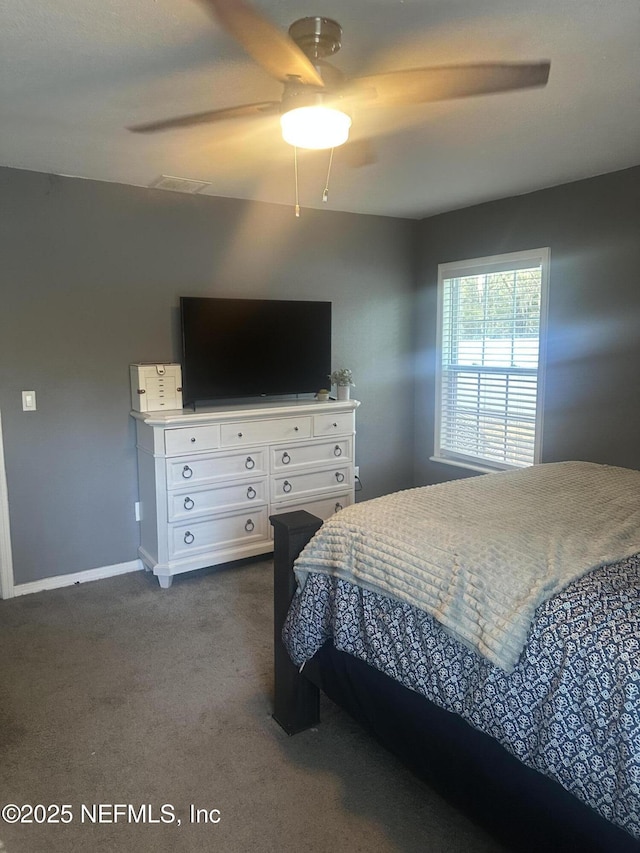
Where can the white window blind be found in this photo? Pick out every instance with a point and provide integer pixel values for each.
(491, 318)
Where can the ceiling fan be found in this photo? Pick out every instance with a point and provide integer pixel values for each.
(317, 98)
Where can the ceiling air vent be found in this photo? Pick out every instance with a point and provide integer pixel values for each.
(179, 185)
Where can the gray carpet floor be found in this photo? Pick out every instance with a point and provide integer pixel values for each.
(118, 698)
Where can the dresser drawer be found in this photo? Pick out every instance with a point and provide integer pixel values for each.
(198, 501)
(288, 487)
(242, 433)
(340, 423)
(218, 533)
(287, 457)
(323, 508)
(213, 467)
(191, 439)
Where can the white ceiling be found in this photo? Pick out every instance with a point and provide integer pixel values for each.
(75, 73)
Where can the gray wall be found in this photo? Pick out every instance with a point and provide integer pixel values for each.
(592, 392)
(91, 274)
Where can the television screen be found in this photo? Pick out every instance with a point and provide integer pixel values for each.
(253, 347)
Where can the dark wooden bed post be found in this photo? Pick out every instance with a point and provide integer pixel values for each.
(297, 700)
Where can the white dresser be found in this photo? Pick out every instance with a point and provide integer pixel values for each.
(209, 480)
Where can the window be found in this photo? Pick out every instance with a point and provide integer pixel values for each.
(491, 326)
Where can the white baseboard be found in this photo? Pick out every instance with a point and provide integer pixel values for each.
(78, 577)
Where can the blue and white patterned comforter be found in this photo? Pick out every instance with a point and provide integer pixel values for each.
(570, 708)
(480, 554)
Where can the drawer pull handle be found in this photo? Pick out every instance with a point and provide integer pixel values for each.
(337, 507)
(239, 435)
(189, 538)
(340, 476)
(250, 463)
(251, 493)
(188, 503)
(187, 472)
(296, 429)
(286, 487)
(286, 458)
(337, 450)
(193, 441)
(249, 526)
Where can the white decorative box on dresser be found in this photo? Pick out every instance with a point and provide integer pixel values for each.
(209, 480)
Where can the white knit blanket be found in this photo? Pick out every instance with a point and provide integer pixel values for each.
(481, 554)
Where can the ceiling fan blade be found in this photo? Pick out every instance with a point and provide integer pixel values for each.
(243, 111)
(357, 153)
(272, 49)
(421, 85)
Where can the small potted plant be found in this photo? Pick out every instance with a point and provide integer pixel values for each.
(343, 380)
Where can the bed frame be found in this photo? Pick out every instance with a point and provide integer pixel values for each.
(522, 808)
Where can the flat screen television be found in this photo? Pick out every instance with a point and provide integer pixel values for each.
(253, 347)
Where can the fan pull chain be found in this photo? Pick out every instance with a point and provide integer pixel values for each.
(295, 169)
(325, 194)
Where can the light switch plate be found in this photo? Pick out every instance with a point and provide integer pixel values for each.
(28, 401)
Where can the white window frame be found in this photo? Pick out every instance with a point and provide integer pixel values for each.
(479, 266)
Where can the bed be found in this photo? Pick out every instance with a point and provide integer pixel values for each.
(487, 631)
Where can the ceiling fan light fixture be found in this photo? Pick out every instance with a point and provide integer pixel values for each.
(315, 127)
